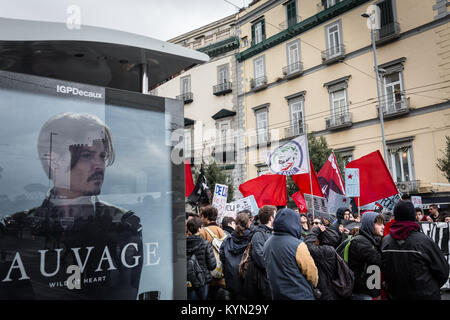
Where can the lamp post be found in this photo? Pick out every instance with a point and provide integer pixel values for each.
(380, 107)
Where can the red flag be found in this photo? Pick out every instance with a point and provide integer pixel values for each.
(302, 182)
(268, 189)
(300, 201)
(375, 180)
(330, 177)
(188, 180)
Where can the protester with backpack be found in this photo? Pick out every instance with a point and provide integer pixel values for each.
(200, 261)
(256, 283)
(231, 253)
(336, 280)
(364, 255)
(215, 235)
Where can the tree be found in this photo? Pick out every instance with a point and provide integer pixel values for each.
(216, 174)
(319, 153)
(443, 163)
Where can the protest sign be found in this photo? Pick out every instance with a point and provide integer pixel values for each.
(291, 158)
(352, 182)
(220, 198)
(320, 205)
(248, 203)
(387, 203)
(417, 201)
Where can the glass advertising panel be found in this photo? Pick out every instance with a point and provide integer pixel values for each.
(89, 206)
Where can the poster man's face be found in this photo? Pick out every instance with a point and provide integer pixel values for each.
(86, 177)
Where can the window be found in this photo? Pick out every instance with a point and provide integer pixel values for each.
(388, 25)
(262, 126)
(259, 71)
(291, 13)
(296, 109)
(185, 84)
(334, 41)
(222, 74)
(392, 79)
(258, 32)
(400, 160)
(293, 56)
(188, 152)
(224, 134)
(262, 169)
(338, 102)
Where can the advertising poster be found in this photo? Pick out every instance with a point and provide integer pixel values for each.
(91, 192)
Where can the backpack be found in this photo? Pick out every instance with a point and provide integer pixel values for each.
(345, 280)
(217, 273)
(247, 258)
(195, 274)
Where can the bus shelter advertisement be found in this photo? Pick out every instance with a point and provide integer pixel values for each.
(91, 192)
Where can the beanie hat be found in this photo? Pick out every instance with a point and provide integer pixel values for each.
(404, 211)
(340, 213)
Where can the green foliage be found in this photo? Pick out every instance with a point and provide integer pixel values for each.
(443, 163)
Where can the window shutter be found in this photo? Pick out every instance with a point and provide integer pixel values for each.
(253, 33)
(263, 28)
(387, 13)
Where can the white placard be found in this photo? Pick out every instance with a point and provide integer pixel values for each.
(352, 182)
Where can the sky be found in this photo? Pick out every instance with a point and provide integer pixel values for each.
(157, 19)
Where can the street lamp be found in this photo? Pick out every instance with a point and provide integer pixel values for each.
(380, 108)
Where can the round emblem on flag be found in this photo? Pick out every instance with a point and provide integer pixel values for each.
(286, 159)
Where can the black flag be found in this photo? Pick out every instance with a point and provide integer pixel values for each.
(201, 194)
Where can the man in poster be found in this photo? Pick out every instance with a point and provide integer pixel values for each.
(73, 246)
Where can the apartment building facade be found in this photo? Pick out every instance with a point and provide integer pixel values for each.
(210, 99)
(308, 66)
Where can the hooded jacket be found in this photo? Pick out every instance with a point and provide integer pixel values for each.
(364, 251)
(204, 254)
(413, 265)
(290, 268)
(231, 252)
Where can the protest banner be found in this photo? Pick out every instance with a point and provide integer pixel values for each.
(440, 233)
(290, 158)
(248, 203)
(386, 203)
(318, 206)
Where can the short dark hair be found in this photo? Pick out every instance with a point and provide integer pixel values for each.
(250, 214)
(242, 220)
(226, 221)
(419, 209)
(194, 224)
(380, 219)
(209, 212)
(434, 206)
(265, 212)
(191, 214)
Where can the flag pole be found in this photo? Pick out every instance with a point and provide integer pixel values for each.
(310, 180)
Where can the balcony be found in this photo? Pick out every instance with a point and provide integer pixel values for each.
(339, 121)
(259, 139)
(293, 131)
(258, 83)
(393, 109)
(408, 187)
(187, 97)
(222, 88)
(387, 33)
(289, 23)
(293, 70)
(333, 54)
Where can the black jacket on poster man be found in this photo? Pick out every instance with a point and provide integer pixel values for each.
(231, 252)
(256, 283)
(364, 251)
(203, 252)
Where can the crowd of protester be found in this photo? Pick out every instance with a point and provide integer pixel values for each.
(283, 254)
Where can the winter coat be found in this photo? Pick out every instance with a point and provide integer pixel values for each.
(364, 251)
(256, 283)
(413, 265)
(324, 257)
(204, 254)
(231, 253)
(290, 267)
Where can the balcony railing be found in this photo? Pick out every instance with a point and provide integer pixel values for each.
(293, 130)
(293, 70)
(288, 23)
(339, 121)
(387, 32)
(333, 54)
(222, 88)
(408, 186)
(394, 108)
(258, 83)
(186, 97)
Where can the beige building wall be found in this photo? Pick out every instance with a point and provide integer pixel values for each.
(423, 82)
